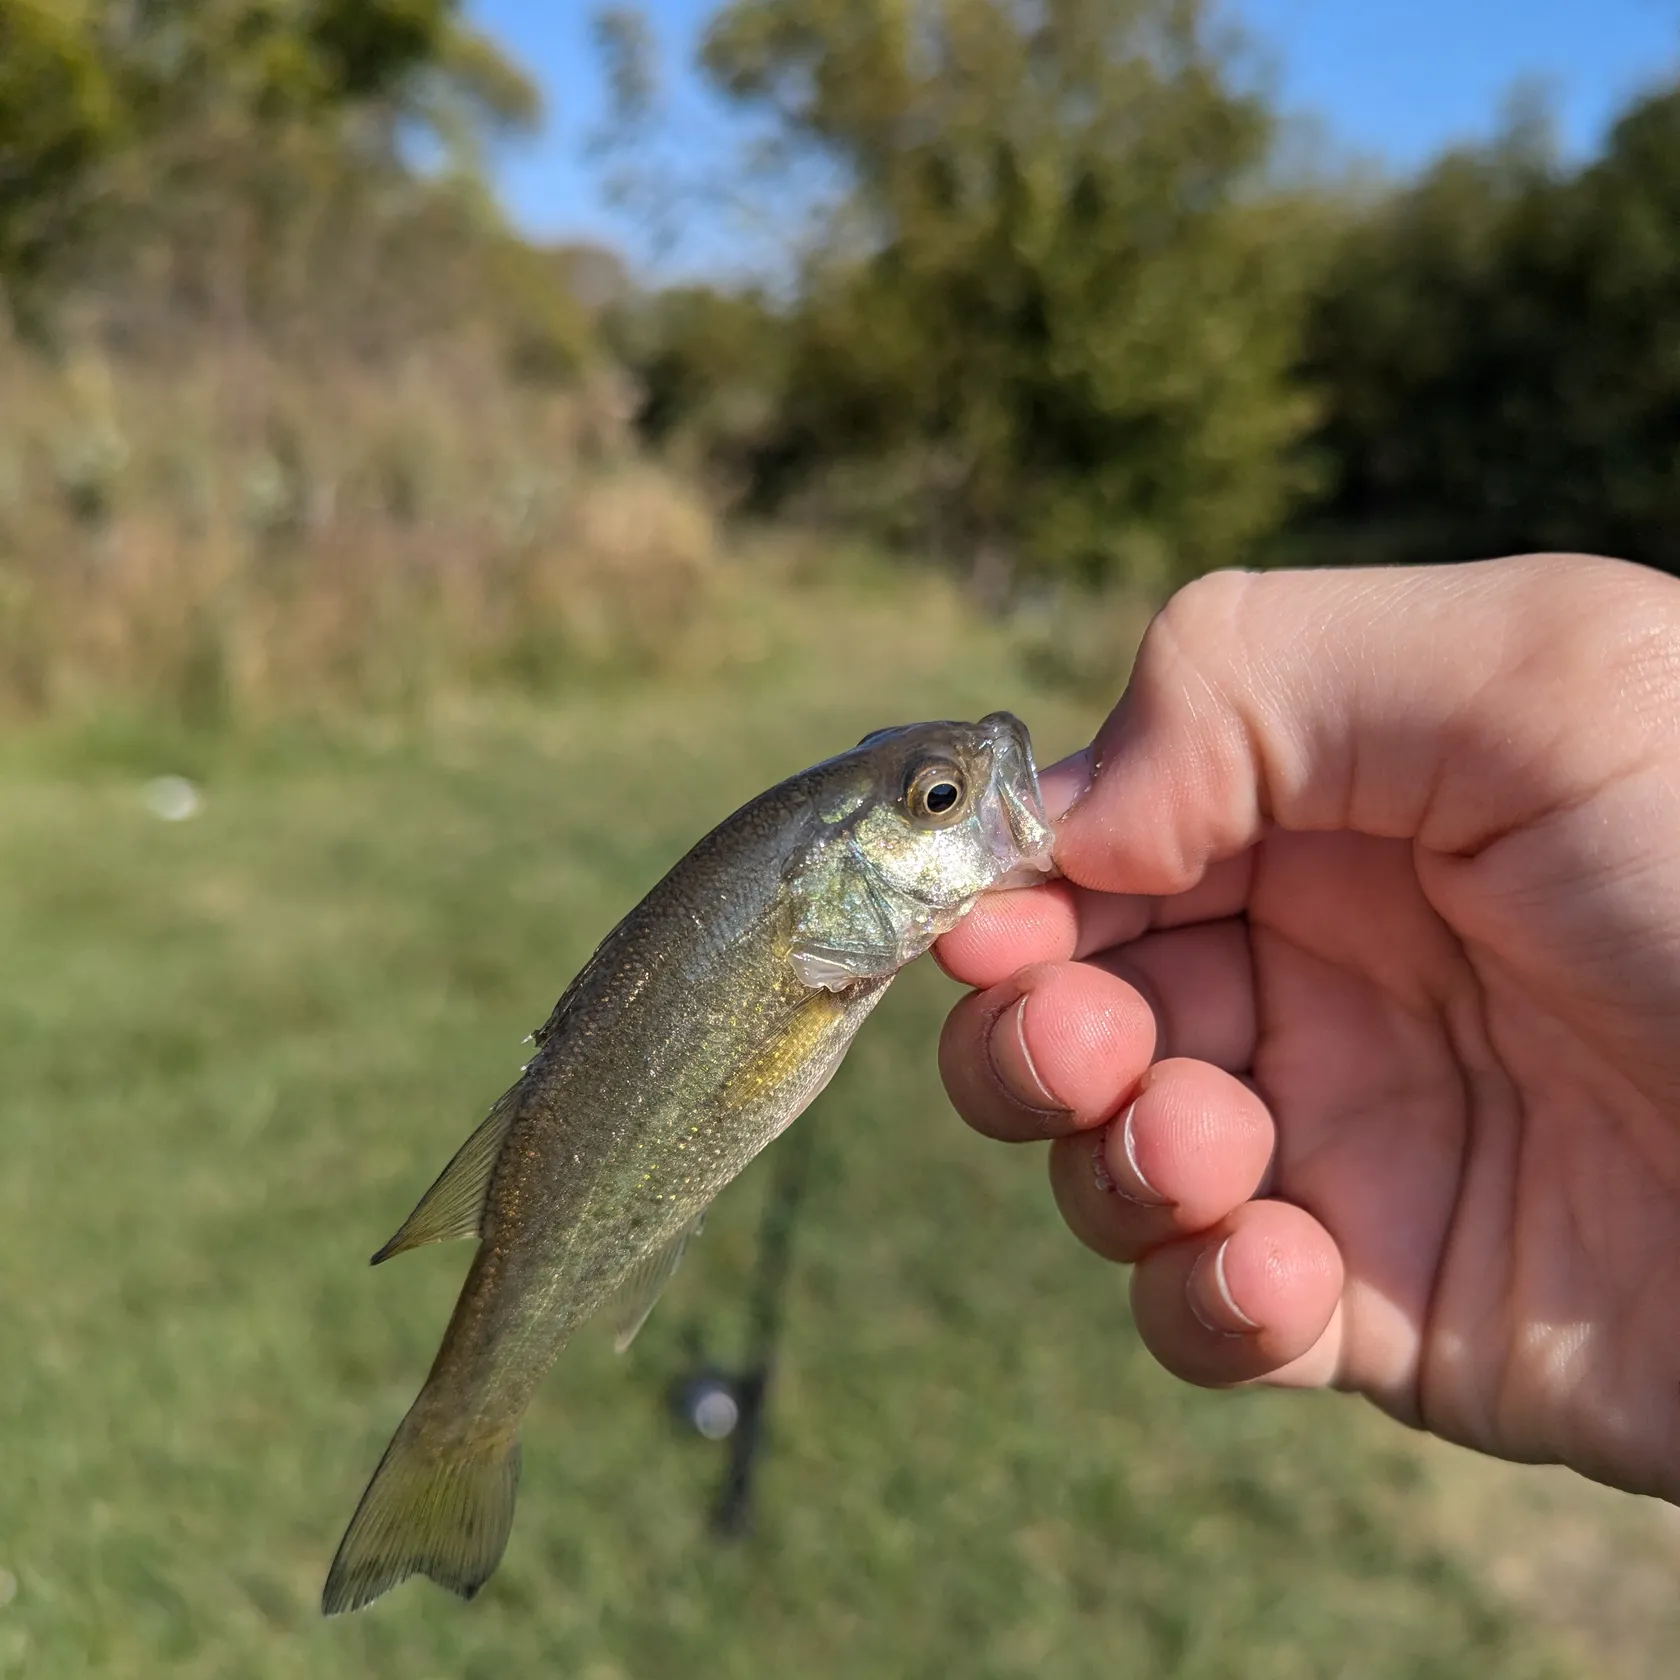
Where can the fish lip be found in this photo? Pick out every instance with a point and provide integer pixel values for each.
(1015, 781)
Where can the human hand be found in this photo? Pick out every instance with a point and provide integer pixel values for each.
(1356, 1018)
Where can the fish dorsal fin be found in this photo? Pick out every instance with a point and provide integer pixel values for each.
(635, 1297)
(454, 1206)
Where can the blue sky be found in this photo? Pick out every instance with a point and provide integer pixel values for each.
(1392, 80)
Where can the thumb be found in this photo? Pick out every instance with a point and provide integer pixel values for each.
(1445, 704)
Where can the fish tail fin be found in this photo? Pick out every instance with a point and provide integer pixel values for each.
(442, 1510)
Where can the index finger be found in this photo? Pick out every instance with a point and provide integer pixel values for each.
(1007, 931)
(1060, 922)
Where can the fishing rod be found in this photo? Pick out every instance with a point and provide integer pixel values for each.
(732, 1406)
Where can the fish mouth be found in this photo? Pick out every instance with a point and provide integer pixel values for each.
(1021, 841)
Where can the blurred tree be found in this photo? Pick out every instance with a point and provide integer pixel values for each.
(272, 59)
(1054, 324)
(628, 52)
(58, 116)
(1433, 343)
(1498, 346)
(197, 122)
(712, 366)
(1618, 340)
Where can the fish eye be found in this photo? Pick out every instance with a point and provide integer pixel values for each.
(936, 791)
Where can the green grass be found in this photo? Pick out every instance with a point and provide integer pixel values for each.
(236, 1049)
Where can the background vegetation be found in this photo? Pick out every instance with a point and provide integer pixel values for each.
(236, 1047)
(469, 579)
(294, 403)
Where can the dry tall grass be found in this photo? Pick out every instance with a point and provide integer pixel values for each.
(236, 533)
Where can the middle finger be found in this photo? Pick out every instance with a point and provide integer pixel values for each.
(1060, 1046)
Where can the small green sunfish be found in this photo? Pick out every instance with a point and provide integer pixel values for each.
(705, 1023)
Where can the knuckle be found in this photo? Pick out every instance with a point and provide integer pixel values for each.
(1196, 631)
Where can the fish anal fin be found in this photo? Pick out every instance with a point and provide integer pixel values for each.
(454, 1206)
(635, 1297)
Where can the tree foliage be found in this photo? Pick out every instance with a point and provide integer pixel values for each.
(58, 115)
(1061, 319)
(191, 126)
(1054, 325)
(1499, 348)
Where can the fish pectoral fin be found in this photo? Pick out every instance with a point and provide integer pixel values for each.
(833, 971)
(454, 1206)
(798, 1036)
(635, 1297)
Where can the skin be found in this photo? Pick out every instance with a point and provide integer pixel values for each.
(1356, 1020)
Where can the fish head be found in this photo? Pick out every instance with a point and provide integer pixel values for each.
(916, 823)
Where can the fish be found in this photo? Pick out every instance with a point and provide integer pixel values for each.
(704, 1024)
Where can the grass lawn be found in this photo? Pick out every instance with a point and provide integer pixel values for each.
(234, 1050)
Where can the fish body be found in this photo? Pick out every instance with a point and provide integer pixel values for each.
(705, 1023)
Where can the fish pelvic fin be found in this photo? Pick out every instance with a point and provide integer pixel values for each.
(454, 1206)
(443, 1511)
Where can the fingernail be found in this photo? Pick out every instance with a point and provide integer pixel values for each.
(1118, 1169)
(1210, 1297)
(1065, 783)
(1013, 1064)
